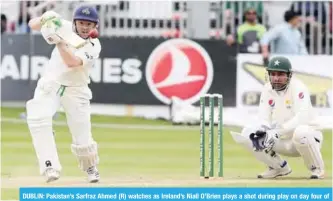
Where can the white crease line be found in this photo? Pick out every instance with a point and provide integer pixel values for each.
(114, 126)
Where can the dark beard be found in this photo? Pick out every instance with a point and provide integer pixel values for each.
(279, 87)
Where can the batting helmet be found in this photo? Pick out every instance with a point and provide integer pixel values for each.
(88, 13)
(280, 64)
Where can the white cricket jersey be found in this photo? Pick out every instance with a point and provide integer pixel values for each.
(288, 109)
(58, 71)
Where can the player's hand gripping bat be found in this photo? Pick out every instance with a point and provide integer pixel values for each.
(53, 33)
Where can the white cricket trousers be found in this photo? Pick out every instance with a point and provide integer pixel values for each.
(48, 97)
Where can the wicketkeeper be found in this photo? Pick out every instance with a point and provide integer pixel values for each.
(65, 82)
(286, 127)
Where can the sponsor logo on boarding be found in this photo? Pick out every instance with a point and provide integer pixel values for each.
(179, 68)
(319, 86)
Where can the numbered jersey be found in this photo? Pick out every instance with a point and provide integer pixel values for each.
(288, 109)
(58, 71)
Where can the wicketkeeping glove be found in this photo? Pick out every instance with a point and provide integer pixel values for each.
(258, 140)
(271, 137)
(264, 140)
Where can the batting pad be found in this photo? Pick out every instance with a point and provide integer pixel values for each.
(40, 126)
(34, 106)
(87, 155)
(310, 151)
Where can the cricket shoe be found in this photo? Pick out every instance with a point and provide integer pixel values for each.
(93, 174)
(317, 173)
(51, 175)
(273, 173)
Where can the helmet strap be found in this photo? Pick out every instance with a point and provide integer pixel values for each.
(75, 29)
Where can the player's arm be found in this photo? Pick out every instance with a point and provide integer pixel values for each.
(264, 108)
(302, 106)
(267, 37)
(303, 49)
(82, 57)
(68, 55)
(89, 53)
(264, 121)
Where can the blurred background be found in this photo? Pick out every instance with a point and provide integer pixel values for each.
(181, 19)
(233, 34)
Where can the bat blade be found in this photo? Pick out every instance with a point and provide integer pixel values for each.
(73, 39)
(65, 33)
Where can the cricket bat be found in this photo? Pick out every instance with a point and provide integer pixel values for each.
(72, 39)
(69, 36)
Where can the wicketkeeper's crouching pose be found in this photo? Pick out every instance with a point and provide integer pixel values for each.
(286, 128)
(65, 82)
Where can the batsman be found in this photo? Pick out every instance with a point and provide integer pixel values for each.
(285, 125)
(64, 82)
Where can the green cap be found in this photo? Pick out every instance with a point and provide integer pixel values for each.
(279, 64)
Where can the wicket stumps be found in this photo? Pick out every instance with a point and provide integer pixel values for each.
(211, 99)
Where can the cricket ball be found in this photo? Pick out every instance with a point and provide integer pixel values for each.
(93, 33)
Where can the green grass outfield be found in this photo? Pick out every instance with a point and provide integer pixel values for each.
(138, 152)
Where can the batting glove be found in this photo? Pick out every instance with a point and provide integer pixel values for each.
(49, 15)
(50, 35)
(49, 31)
